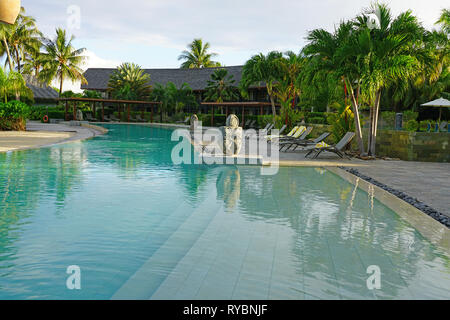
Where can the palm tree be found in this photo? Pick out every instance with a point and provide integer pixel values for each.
(221, 87)
(130, 80)
(62, 60)
(444, 20)
(336, 55)
(33, 61)
(23, 38)
(197, 56)
(263, 69)
(4, 35)
(12, 83)
(389, 56)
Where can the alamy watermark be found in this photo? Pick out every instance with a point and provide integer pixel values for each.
(374, 280)
(74, 17)
(73, 282)
(374, 19)
(207, 147)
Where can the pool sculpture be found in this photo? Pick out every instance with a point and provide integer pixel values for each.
(232, 136)
(193, 122)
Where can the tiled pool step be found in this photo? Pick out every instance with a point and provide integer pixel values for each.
(153, 272)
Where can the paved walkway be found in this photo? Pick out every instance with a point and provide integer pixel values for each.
(428, 182)
(42, 134)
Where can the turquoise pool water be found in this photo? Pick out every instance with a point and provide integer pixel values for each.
(140, 227)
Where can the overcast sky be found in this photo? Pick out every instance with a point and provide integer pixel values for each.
(152, 33)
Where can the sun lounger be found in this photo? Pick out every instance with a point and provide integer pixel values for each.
(140, 119)
(298, 134)
(302, 137)
(179, 121)
(106, 118)
(337, 149)
(280, 136)
(307, 142)
(264, 131)
(90, 118)
(114, 118)
(280, 131)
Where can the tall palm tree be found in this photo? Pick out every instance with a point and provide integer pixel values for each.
(62, 60)
(263, 69)
(444, 20)
(221, 87)
(389, 55)
(5, 30)
(336, 55)
(198, 56)
(131, 77)
(33, 61)
(23, 38)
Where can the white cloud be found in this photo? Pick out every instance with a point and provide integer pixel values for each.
(94, 61)
(240, 27)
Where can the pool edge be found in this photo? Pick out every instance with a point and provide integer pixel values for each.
(431, 229)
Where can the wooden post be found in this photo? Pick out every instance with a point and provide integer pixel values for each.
(94, 111)
(65, 110)
(120, 117)
(212, 117)
(143, 111)
(227, 111)
(128, 113)
(74, 111)
(243, 116)
(261, 110)
(151, 115)
(103, 112)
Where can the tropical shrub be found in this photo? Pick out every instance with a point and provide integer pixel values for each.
(13, 115)
(341, 122)
(412, 125)
(388, 118)
(409, 115)
(317, 120)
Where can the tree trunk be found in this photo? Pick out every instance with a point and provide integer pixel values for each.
(8, 54)
(61, 86)
(272, 101)
(370, 135)
(356, 114)
(17, 58)
(375, 124)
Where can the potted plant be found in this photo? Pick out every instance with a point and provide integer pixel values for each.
(9, 10)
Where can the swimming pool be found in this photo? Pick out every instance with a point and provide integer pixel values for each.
(140, 227)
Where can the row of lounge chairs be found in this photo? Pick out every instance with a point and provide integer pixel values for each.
(113, 118)
(297, 138)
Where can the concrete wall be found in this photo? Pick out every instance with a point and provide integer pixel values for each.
(410, 146)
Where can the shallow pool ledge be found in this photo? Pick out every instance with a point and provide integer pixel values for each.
(432, 230)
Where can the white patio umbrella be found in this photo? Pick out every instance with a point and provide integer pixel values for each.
(440, 103)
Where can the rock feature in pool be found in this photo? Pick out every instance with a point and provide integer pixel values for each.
(232, 136)
(436, 215)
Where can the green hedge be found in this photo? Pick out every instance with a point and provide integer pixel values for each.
(13, 115)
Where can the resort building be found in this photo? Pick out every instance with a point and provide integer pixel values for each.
(197, 79)
(42, 93)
